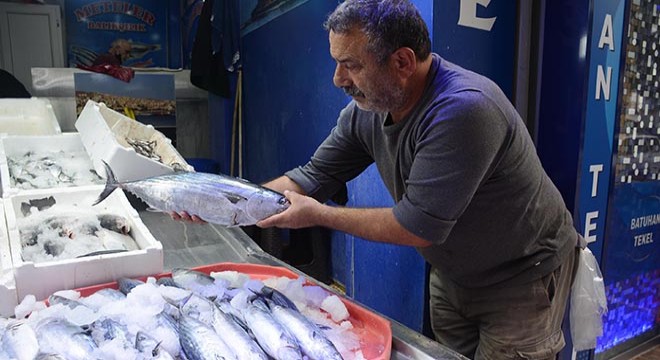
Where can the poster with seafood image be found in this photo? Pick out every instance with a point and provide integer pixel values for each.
(148, 98)
(129, 33)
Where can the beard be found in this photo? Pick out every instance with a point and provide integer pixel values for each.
(381, 96)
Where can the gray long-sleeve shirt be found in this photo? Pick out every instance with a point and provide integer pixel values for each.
(464, 174)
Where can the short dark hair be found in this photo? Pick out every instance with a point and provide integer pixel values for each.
(388, 24)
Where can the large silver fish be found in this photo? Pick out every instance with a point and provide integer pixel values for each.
(273, 337)
(232, 333)
(200, 341)
(58, 336)
(19, 341)
(218, 199)
(312, 340)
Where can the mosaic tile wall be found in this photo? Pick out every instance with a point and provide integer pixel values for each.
(633, 309)
(638, 157)
(634, 304)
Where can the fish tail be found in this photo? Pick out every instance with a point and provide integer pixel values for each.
(110, 184)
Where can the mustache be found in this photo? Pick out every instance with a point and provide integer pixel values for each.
(352, 91)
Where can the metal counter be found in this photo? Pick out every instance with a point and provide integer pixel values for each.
(190, 245)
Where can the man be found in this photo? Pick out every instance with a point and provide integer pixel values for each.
(470, 192)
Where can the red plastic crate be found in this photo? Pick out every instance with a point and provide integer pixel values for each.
(374, 331)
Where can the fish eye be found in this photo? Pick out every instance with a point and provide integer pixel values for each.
(283, 201)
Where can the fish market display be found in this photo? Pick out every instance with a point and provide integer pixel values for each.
(218, 199)
(46, 169)
(277, 318)
(66, 232)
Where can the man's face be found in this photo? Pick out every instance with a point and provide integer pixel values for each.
(374, 87)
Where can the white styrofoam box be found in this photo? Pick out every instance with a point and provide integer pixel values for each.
(8, 297)
(33, 116)
(15, 147)
(104, 132)
(44, 278)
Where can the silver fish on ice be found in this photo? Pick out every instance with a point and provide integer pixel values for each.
(313, 342)
(218, 199)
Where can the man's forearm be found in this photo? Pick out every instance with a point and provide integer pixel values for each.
(283, 183)
(377, 224)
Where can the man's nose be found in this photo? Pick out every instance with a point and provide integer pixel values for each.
(340, 79)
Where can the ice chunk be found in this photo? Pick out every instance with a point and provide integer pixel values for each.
(68, 294)
(173, 295)
(81, 315)
(335, 307)
(234, 278)
(294, 291)
(253, 285)
(26, 306)
(278, 283)
(315, 295)
(240, 300)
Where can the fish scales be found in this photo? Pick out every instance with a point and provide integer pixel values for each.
(216, 198)
(19, 341)
(58, 336)
(199, 341)
(274, 339)
(245, 347)
(312, 341)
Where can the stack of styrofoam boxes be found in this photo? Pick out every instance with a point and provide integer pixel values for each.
(32, 116)
(43, 278)
(104, 132)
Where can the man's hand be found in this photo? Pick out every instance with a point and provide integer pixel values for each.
(303, 212)
(184, 216)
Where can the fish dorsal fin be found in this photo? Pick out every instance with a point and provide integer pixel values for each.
(233, 197)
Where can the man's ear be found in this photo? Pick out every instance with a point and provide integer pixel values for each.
(404, 61)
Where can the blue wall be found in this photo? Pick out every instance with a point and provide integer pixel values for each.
(290, 104)
(488, 51)
(561, 108)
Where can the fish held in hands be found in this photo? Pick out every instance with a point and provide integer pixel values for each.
(216, 198)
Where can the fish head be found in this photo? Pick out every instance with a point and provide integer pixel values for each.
(266, 203)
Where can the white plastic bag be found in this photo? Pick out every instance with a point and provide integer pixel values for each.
(588, 302)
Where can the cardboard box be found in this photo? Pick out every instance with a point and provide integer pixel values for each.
(8, 298)
(73, 161)
(44, 278)
(34, 116)
(106, 133)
